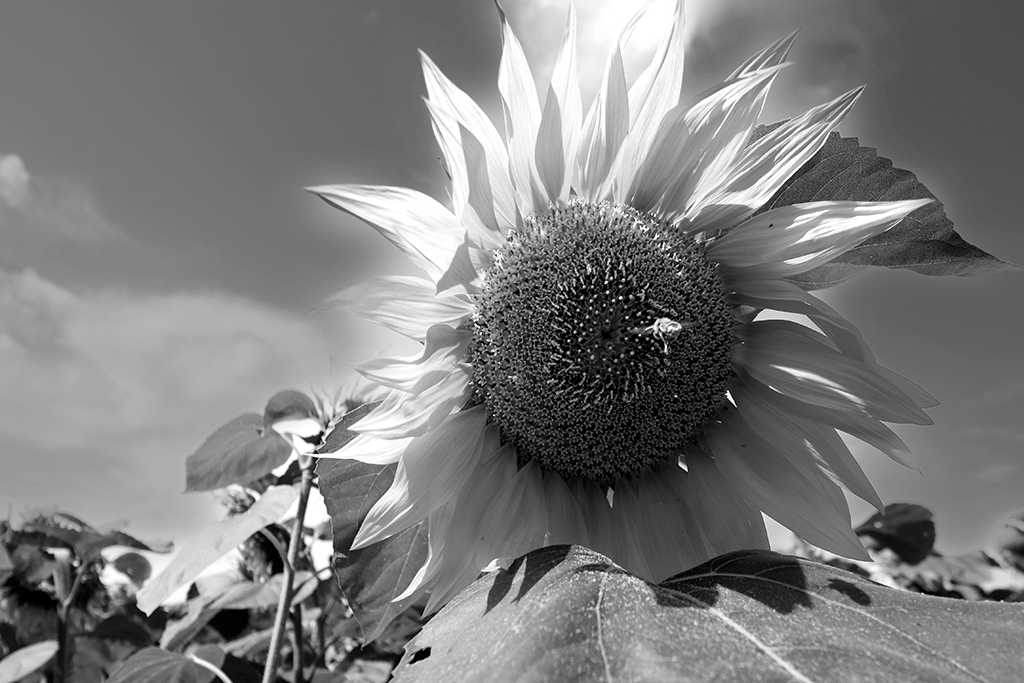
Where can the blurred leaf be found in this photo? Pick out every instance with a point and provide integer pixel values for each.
(239, 452)
(134, 566)
(21, 663)
(180, 632)
(568, 613)
(86, 543)
(370, 577)
(904, 528)
(253, 595)
(924, 241)
(213, 543)
(288, 405)
(120, 627)
(250, 646)
(153, 665)
(1009, 542)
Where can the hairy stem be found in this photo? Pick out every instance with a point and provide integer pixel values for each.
(288, 589)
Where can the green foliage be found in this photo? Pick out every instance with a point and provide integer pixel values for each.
(567, 613)
(924, 241)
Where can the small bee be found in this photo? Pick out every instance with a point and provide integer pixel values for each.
(663, 329)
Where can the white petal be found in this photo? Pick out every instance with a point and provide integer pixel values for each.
(515, 522)
(725, 520)
(432, 471)
(522, 120)
(653, 94)
(565, 92)
(798, 362)
(805, 443)
(659, 520)
(565, 519)
(810, 505)
(472, 199)
(549, 150)
(867, 429)
(407, 305)
(444, 349)
(792, 239)
(766, 164)
(699, 139)
(370, 450)
(402, 414)
(772, 55)
(417, 224)
(437, 524)
(780, 295)
(466, 553)
(605, 127)
(446, 96)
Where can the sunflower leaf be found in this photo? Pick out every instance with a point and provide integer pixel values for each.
(239, 452)
(370, 577)
(568, 613)
(924, 241)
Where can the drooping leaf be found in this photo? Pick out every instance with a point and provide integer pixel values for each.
(567, 613)
(153, 665)
(924, 241)
(213, 543)
(251, 594)
(288, 405)
(904, 528)
(239, 452)
(21, 663)
(370, 577)
(86, 543)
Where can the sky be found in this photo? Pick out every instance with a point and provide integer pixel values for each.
(158, 253)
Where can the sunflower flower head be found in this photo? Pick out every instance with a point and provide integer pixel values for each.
(592, 371)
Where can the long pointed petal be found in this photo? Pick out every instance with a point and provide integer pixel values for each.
(798, 362)
(447, 96)
(725, 520)
(408, 305)
(807, 503)
(444, 349)
(766, 164)
(605, 128)
(472, 198)
(865, 428)
(669, 547)
(522, 120)
(432, 471)
(652, 95)
(370, 450)
(402, 414)
(792, 239)
(806, 443)
(696, 139)
(772, 55)
(417, 224)
(565, 89)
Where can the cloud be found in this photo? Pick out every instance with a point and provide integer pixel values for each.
(14, 181)
(103, 394)
(50, 208)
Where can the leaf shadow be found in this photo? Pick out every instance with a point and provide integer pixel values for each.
(535, 567)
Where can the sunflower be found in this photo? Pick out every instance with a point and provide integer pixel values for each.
(592, 371)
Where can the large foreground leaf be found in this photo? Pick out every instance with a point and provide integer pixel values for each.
(565, 613)
(924, 241)
(370, 577)
(21, 663)
(153, 665)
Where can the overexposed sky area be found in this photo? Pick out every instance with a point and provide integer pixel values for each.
(157, 251)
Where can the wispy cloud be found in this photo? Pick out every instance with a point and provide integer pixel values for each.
(49, 208)
(103, 394)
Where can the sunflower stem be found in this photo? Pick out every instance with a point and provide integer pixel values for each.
(288, 589)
